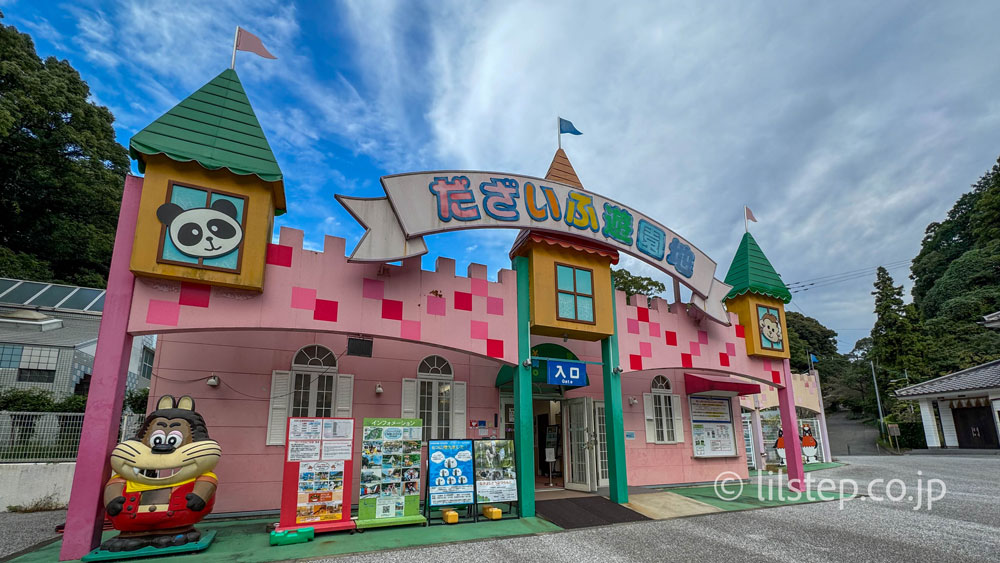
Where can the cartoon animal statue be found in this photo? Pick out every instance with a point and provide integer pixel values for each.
(779, 446)
(162, 483)
(808, 444)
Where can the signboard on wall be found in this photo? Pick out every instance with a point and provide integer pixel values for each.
(566, 372)
(423, 203)
(496, 476)
(316, 481)
(712, 431)
(390, 472)
(450, 479)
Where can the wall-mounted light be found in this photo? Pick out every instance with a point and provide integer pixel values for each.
(618, 370)
(213, 381)
(565, 337)
(378, 388)
(632, 401)
(526, 363)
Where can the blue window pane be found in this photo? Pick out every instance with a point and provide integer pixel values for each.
(583, 282)
(585, 309)
(81, 299)
(54, 294)
(564, 278)
(566, 308)
(23, 292)
(10, 356)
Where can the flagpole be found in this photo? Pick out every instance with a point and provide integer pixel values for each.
(558, 133)
(236, 38)
(746, 222)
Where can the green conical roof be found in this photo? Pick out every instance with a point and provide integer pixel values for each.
(751, 272)
(217, 128)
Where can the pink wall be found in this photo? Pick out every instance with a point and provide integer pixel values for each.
(322, 291)
(236, 411)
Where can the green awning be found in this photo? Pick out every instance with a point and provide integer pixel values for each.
(505, 376)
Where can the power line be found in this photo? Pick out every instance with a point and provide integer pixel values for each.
(861, 271)
(824, 283)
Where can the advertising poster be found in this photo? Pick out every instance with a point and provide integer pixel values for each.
(317, 472)
(496, 477)
(321, 492)
(390, 470)
(449, 477)
(712, 432)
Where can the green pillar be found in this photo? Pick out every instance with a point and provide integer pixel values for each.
(523, 411)
(614, 426)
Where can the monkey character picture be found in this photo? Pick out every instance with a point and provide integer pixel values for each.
(770, 328)
(162, 482)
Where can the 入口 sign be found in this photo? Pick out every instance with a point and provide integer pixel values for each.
(567, 373)
(423, 203)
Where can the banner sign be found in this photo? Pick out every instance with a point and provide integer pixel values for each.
(496, 477)
(712, 432)
(424, 203)
(566, 372)
(390, 469)
(450, 480)
(317, 472)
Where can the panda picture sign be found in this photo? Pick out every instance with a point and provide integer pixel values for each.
(202, 228)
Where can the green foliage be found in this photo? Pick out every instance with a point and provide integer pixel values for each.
(61, 170)
(72, 403)
(136, 400)
(26, 400)
(805, 335)
(636, 285)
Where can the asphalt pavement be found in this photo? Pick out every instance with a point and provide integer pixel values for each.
(21, 531)
(962, 526)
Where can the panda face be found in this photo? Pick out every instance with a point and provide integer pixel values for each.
(204, 232)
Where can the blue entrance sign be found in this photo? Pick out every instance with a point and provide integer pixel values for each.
(569, 373)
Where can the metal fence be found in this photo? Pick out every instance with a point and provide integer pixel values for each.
(27, 437)
(770, 427)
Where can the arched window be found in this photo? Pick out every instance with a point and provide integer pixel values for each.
(660, 384)
(663, 413)
(434, 397)
(315, 355)
(314, 376)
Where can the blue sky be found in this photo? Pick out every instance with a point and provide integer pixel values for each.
(846, 127)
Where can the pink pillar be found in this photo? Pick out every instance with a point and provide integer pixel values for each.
(107, 389)
(790, 428)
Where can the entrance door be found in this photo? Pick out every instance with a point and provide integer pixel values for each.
(507, 418)
(579, 422)
(602, 444)
(975, 427)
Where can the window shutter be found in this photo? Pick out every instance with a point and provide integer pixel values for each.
(675, 401)
(458, 410)
(647, 407)
(345, 396)
(277, 412)
(408, 403)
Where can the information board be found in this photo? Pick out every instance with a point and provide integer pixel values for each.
(390, 472)
(712, 433)
(317, 474)
(496, 476)
(450, 480)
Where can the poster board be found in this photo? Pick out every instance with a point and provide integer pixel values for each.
(450, 477)
(391, 463)
(496, 475)
(712, 433)
(316, 479)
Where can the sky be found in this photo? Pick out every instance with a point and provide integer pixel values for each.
(845, 127)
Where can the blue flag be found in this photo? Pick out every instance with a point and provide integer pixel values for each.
(566, 126)
(813, 358)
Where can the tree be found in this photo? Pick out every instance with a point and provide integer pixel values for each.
(636, 285)
(136, 400)
(807, 335)
(61, 170)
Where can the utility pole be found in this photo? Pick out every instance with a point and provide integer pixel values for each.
(881, 417)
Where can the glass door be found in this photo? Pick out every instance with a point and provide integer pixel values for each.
(602, 444)
(579, 430)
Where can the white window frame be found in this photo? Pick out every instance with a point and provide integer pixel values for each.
(434, 372)
(663, 414)
(321, 376)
